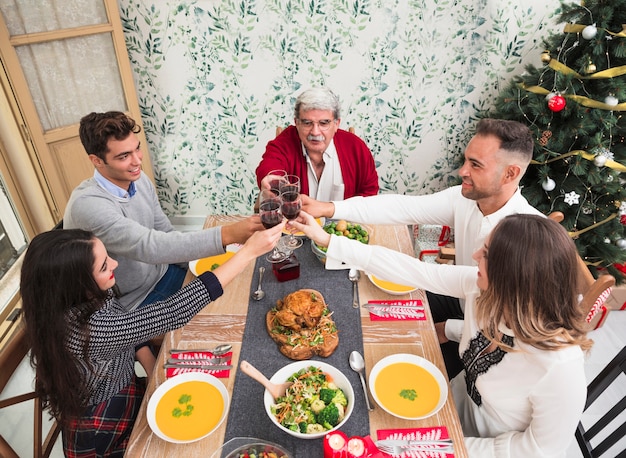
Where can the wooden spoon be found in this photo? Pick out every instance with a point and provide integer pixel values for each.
(275, 389)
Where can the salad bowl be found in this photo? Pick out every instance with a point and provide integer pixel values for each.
(336, 379)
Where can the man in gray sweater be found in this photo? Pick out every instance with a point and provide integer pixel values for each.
(120, 206)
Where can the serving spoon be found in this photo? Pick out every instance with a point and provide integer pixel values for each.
(217, 351)
(259, 293)
(275, 389)
(357, 363)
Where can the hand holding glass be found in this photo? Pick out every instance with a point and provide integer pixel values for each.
(271, 215)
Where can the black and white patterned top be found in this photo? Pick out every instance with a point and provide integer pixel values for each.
(477, 363)
(115, 331)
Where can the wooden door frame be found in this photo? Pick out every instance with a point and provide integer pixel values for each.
(25, 113)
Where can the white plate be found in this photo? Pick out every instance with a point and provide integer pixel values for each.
(417, 386)
(390, 287)
(198, 413)
(200, 266)
(287, 371)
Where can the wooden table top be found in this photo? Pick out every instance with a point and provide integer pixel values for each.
(380, 338)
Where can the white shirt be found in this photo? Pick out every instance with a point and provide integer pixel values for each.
(330, 186)
(531, 401)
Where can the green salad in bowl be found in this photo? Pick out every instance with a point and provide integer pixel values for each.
(319, 401)
(343, 228)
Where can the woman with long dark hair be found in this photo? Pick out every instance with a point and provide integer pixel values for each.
(83, 340)
(523, 338)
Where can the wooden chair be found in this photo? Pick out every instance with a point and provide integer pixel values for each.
(612, 432)
(10, 358)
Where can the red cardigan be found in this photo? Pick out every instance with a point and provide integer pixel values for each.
(355, 159)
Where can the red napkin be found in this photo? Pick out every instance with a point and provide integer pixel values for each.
(226, 359)
(419, 307)
(432, 433)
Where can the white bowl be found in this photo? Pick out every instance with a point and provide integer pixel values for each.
(417, 376)
(390, 287)
(287, 371)
(199, 266)
(194, 417)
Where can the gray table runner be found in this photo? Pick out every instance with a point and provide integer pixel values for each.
(247, 415)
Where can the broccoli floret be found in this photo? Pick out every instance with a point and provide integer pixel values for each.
(317, 406)
(340, 398)
(314, 428)
(303, 426)
(327, 395)
(329, 417)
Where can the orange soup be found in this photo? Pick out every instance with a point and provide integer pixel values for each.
(390, 286)
(212, 262)
(407, 390)
(189, 410)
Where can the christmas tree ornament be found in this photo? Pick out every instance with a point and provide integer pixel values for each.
(611, 100)
(571, 198)
(621, 244)
(600, 160)
(556, 103)
(545, 56)
(545, 136)
(548, 184)
(589, 32)
(591, 68)
(607, 240)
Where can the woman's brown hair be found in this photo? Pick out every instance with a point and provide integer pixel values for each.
(532, 277)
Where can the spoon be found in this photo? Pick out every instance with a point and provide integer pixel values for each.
(259, 293)
(217, 351)
(357, 363)
(275, 389)
(354, 276)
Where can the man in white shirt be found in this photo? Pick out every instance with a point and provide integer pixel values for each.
(496, 158)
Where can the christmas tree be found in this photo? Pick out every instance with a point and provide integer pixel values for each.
(575, 105)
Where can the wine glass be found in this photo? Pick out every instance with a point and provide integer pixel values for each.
(291, 205)
(276, 179)
(271, 215)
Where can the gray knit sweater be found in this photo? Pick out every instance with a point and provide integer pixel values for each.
(114, 332)
(137, 234)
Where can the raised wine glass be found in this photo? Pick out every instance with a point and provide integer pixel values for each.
(276, 178)
(291, 205)
(271, 215)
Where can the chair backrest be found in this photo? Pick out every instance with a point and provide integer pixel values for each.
(608, 429)
(594, 292)
(10, 358)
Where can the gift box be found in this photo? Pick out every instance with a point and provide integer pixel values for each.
(429, 239)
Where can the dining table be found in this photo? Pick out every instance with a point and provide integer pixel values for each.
(224, 321)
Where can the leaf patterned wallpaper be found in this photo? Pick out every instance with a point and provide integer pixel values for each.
(215, 78)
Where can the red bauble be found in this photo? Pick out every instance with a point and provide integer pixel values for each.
(556, 103)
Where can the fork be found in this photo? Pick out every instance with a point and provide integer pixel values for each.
(399, 450)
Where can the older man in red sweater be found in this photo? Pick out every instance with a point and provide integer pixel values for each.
(333, 164)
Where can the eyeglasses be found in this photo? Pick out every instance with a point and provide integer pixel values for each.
(324, 124)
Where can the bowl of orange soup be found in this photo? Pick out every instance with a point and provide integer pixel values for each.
(390, 287)
(187, 407)
(408, 386)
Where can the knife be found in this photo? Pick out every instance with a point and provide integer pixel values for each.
(190, 350)
(386, 311)
(414, 442)
(204, 367)
(208, 360)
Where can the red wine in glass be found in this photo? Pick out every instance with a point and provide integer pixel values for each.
(270, 213)
(291, 205)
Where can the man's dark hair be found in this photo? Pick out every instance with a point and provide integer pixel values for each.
(97, 128)
(514, 136)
